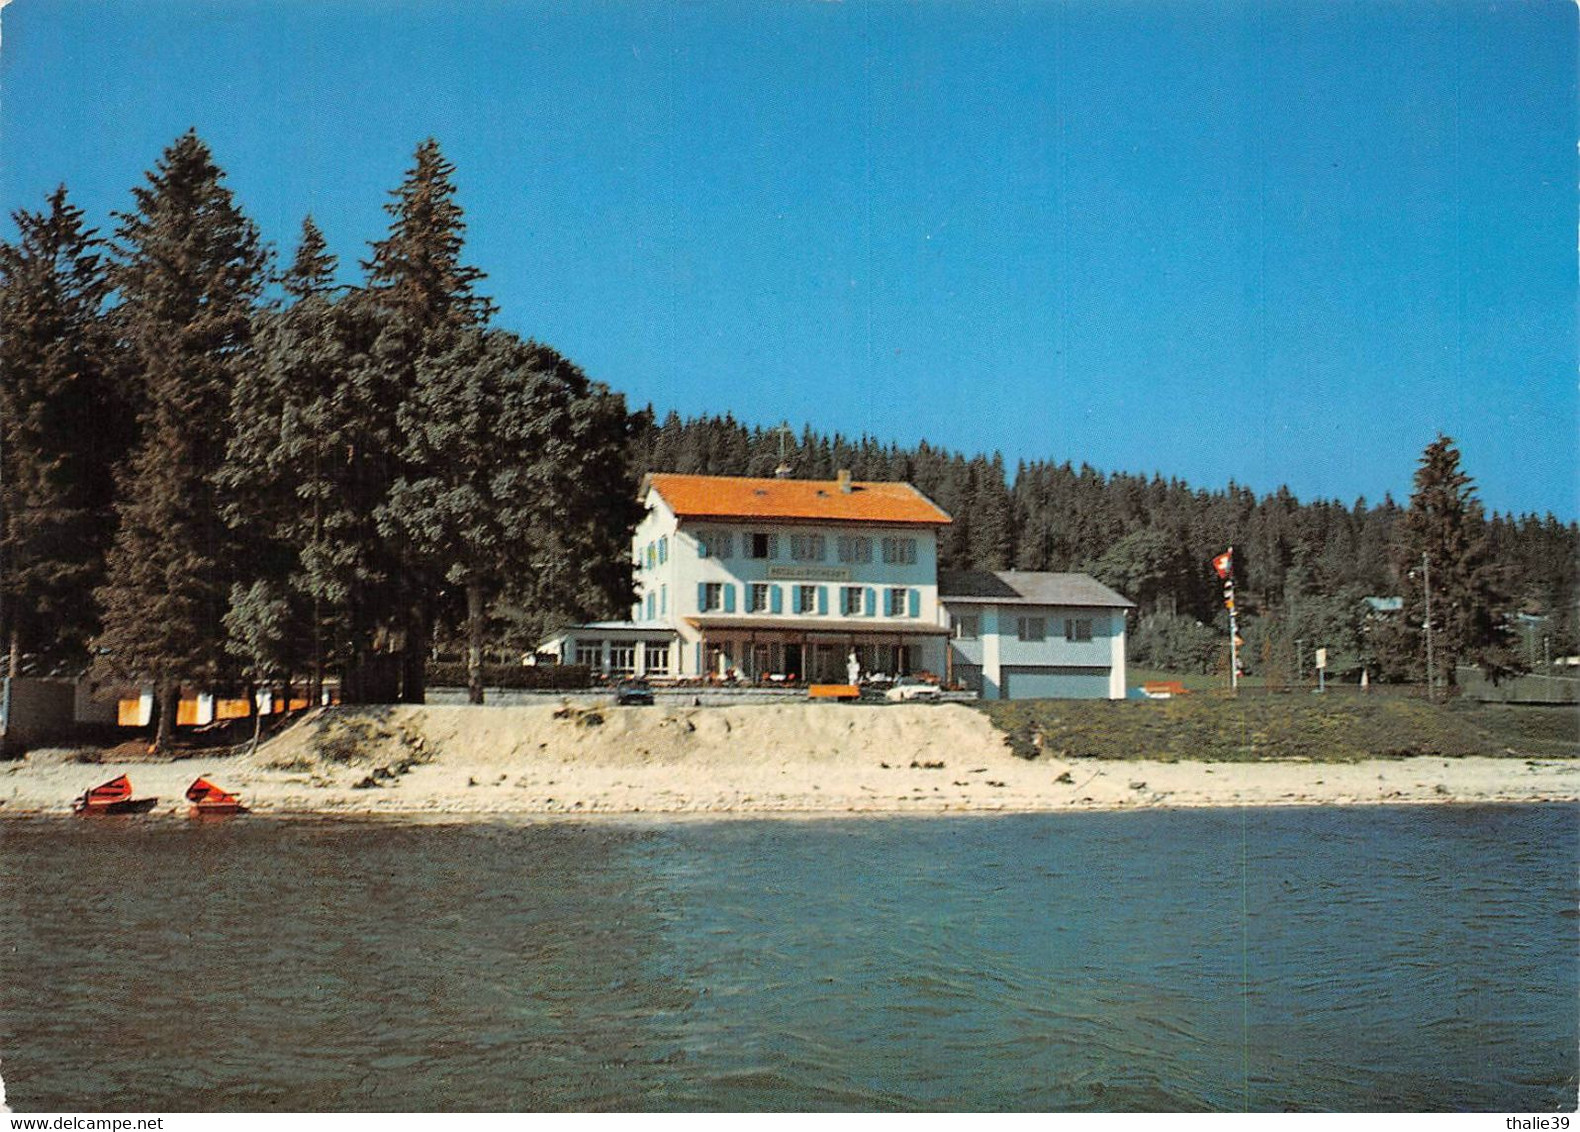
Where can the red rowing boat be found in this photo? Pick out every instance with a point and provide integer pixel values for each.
(114, 797)
(208, 799)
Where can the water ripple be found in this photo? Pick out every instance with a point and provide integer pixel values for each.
(1280, 959)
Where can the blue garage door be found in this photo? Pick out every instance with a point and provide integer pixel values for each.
(1055, 683)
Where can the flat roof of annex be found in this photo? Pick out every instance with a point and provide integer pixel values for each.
(824, 501)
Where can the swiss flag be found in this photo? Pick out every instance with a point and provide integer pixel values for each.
(1224, 563)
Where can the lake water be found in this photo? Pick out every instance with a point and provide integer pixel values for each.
(1409, 958)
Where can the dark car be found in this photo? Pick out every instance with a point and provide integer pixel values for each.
(633, 693)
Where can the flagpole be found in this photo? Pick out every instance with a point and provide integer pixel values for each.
(1234, 637)
(1224, 565)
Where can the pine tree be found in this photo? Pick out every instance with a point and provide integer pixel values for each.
(312, 271)
(521, 486)
(291, 474)
(424, 296)
(992, 516)
(189, 269)
(63, 428)
(1443, 537)
(417, 268)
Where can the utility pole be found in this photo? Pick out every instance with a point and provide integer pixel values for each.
(1431, 680)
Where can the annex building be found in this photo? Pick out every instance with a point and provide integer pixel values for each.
(781, 580)
(1020, 634)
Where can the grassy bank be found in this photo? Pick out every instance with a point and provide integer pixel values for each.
(1335, 728)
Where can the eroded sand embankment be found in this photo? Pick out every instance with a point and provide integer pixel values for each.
(747, 760)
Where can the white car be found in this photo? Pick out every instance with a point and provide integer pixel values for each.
(909, 688)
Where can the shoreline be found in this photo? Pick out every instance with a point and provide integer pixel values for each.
(176, 817)
(809, 761)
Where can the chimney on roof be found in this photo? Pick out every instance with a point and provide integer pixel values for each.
(844, 480)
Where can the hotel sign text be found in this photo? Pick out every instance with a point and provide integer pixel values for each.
(808, 573)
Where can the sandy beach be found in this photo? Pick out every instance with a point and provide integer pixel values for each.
(746, 761)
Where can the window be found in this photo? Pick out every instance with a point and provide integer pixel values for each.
(806, 599)
(649, 603)
(714, 544)
(655, 657)
(808, 548)
(757, 601)
(760, 545)
(652, 555)
(1078, 629)
(899, 551)
(855, 548)
(1031, 628)
(663, 550)
(663, 601)
(968, 627)
(589, 653)
(712, 596)
(896, 602)
(622, 657)
(850, 600)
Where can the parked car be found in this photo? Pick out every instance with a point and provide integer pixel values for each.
(631, 693)
(907, 688)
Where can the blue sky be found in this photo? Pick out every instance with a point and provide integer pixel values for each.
(1280, 243)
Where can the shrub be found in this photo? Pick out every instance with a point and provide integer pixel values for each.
(552, 677)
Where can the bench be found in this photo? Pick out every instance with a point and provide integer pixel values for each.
(1164, 689)
(836, 692)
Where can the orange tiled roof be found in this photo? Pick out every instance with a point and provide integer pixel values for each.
(738, 497)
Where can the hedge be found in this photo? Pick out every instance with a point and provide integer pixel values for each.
(452, 674)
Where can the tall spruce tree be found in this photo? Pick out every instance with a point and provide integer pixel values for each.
(425, 296)
(417, 267)
(189, 270)
(1444, 535)
(283, 475)
(519, 483)
(63, 427)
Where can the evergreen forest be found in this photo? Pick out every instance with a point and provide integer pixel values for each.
(222, 467)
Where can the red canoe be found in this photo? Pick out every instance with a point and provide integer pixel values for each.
(114, 797)
(206, 798)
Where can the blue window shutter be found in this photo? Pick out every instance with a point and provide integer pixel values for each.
(822, 600)
(729, 598)
(872, 602)
(776, 599)
(914, 602)
(702, 547)
(795, 599)
(702, 596)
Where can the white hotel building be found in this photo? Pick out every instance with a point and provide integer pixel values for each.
(776, 578)
(782, 579)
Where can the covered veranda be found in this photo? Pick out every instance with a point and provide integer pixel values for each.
(767, 650)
